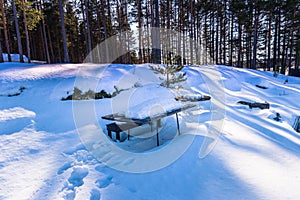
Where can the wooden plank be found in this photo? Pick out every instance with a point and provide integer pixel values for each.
(177, 124)
(296, 125)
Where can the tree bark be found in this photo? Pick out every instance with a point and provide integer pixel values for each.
(63, 32)
(1, 53)
(256, 16)
(275, 45)
(44, 36)
(231, 40)
(17, 31)
(155, 34)
(269, 41)
(239, 62)
(88, 29)
(5, 31)
(26, 32)
(140, 30)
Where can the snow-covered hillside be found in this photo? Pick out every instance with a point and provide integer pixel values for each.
(53, 149)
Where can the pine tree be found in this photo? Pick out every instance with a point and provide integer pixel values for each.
(170, 74)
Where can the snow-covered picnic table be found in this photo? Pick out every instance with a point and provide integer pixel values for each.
(126, 123)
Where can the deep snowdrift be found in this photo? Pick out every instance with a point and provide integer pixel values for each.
(53, 149)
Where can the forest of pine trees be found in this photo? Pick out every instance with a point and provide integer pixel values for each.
(253, 34)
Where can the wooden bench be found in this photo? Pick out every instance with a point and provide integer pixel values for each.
(120, 127)
(124, 126)
(296, 125)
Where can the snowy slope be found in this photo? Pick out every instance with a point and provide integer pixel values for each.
(53, 149)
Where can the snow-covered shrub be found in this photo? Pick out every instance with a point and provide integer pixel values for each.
(90, 94)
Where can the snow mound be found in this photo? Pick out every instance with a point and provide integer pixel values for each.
(15, 119)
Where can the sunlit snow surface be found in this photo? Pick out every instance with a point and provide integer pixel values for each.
(44, 156)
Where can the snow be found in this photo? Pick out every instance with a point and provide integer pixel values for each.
(53, 149)
(158, 100)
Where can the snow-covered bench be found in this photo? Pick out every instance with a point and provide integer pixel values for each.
(123, 123)
(265, 105)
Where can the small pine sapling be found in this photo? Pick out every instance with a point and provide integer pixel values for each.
(171, 74)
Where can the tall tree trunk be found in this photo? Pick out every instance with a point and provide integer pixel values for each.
(148, 13)
(283, 67)
(45, 41)
(183, 34)
(155, 36)
(192, 13)
(255, 34)
(291, 51)
(278, 38)
(231, 40)
(248, 48)
(140, 30)
(217, 36)
(223, 27)
(266, 51)
(127, 28)
(17, 31)
(120, 24)
(50, 46)
(179, 33)
(168, 32)
(63, 32)
(44, 34)
(239, 62)
(88, 31)
(269, 41)
(5, 31)
(26, 31)
(212, 41)
(275, 44)
(1, 52)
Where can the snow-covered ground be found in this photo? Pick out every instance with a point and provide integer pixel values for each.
(53, 149)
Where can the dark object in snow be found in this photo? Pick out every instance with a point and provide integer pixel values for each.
(265, 105)
(262, 87)
(296, 125)
(79, 95)
(192, 99)
(21, 90)
(278, 117)
(286, 81)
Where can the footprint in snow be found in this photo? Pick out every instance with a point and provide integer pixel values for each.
(103, 183)
(64, 168)
(95, 194)
(77, 176)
